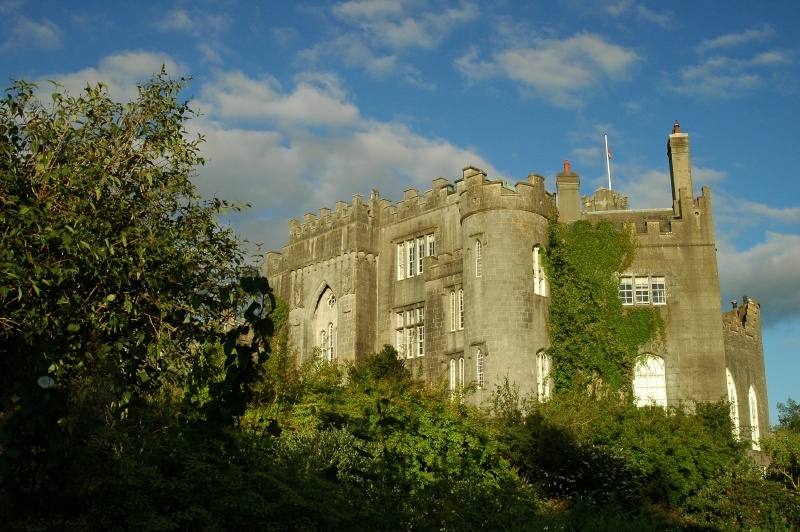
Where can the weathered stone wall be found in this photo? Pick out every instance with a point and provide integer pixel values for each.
(744, 356)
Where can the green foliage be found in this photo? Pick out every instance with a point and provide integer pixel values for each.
(789, 415)
(594, 341)
(783, 446)
(116, 282)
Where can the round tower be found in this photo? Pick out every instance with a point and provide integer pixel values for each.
(505, 301)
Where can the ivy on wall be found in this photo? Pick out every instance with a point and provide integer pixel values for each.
(594, 340)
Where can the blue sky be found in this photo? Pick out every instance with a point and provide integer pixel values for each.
(307, 103)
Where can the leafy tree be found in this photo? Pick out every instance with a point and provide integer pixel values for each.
(783, 445)
(116, 281)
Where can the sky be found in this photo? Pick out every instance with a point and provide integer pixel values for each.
(303, 104)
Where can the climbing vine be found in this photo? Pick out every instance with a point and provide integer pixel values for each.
(594, 340)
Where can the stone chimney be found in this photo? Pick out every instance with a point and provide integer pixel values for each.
(680, 168)
(568, 195)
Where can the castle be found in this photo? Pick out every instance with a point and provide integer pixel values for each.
(453, 278)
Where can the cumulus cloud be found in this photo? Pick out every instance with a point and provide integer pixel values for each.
(767, 272)
(44, 35)
(285, 162)
(204, 26)
(379, 36)
(562, 71)
(120, 72)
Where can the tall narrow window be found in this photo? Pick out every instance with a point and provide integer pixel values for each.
(478, 258)
(755, 432)
(539, 282)
(420, 331)
(420, 253)
(461, 372)
(626, 290)
(431, 246)
(481, 369)
(411, 262)
(452, 374)
(330, 341)
(323, 344)
(401, 261)
(461, 309)
(658, 290)
(543, 375)
(642, 287)
(733, 399)
(452, 311)
(649, 381)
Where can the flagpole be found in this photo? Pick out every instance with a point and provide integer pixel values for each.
(608, 162)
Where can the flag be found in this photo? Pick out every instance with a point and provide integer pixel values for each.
(608, 153)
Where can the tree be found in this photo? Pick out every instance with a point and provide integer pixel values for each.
(116, 281)
(783, 445)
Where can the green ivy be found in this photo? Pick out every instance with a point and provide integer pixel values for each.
(594, 340)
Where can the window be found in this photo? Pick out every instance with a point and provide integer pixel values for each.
(460, 373)
(330, 341)
(732, 398)
(478, 258)
(410, 255)
(643, 290)
(410, 332)
(452, 375)
(659, 290)
(401, 262)
(461, 309)
(755, 432)
(323, 344)
(649, 381)
(452, 311)
(420, 253)
(411, 264)
(626, 290)
(539, 281)
(481, 369)
(543, 375)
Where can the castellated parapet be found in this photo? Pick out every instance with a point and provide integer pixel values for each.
(454, 279)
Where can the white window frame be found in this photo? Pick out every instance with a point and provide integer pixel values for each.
(481, 369)
(411, 262)
(401, 261)
(650, 381)
(461, 373)
(641, 290)
(420, 253)
(733, 398)
(452, 310)
(755, 430)
(323, 344)
(478, 258)
(539, 280)
(658, 288)
(431, 245)
(543, 365)
(626, 290)
(330, 341)
(460, 309)
(452, 374)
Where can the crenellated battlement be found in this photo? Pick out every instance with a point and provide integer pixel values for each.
(481, 193)
(745, 319)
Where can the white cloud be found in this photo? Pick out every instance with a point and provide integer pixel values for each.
(383, 33)
(316, 100)
(44, 35)
(286, 162)
(562, 71)
(766, 272)
(120, 72)
(736, 39)
(203, 26)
